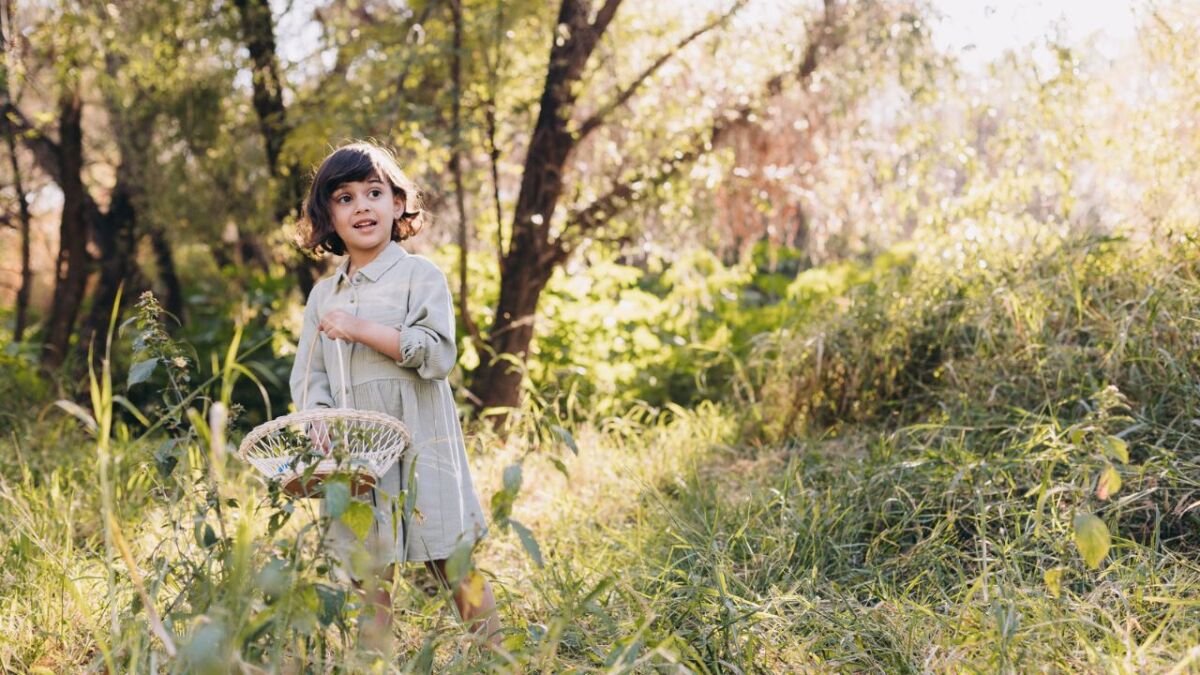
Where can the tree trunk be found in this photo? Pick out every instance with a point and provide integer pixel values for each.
(494, 62)
(22, 300)
(71, 268)
(464, 230)
(164, 260)
(258, 32)
(115, 238)
(22, 308)
(498, 378)
(532, 256)
(116, 232)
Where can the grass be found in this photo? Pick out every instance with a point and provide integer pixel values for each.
(893, 489)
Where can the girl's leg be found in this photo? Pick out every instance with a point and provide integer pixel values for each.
(377, 628)
(482, 619)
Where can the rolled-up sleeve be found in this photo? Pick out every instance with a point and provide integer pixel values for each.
(427, 342)
(309, 381)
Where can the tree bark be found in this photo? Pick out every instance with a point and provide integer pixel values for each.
(116, 232)
(22, 301)
(527, 265)
(258, 32)
(164, 261)
(494, 63)
(22, 309)
(533, 255)
(464, 232)
(71, 269)
(117, 259)
(498, 378)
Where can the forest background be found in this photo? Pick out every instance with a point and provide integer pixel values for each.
(790, 336)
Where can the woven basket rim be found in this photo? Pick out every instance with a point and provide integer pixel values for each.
(320, 415)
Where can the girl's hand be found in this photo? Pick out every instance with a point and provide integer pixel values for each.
(340, 325)
(318, 433)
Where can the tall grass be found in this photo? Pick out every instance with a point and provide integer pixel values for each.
(897, 491)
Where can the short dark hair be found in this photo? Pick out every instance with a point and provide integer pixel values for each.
(359, 161)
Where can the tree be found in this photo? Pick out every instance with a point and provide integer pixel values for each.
(534, 251)
(8, 41)
(132, 63)
(258, 33)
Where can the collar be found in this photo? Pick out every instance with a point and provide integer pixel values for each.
(387, 258)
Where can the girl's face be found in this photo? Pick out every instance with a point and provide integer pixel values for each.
(362, 214)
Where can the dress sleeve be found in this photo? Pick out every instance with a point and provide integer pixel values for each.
(427, 341)
(319, 394)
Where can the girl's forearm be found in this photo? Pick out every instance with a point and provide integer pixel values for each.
(381, 338)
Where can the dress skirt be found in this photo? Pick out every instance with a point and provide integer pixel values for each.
(425, 505)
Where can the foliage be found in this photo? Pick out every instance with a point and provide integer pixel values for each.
(951, 429)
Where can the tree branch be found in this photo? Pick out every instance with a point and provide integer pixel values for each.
(464, 238)
(605, 16)
(570, 57)
(827, 36)
(589, 218)
(597, 119)
(46, 152)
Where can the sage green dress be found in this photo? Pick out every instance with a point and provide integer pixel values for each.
(431, 484)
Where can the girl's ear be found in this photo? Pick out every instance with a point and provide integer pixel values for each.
(400, 203)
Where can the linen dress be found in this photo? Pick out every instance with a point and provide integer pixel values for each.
(440, 508)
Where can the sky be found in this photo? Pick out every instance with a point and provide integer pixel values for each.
(981, 31)
(978, 30)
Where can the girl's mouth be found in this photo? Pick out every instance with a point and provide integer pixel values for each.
(364, 224)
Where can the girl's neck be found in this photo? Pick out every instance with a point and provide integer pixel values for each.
(360, 259)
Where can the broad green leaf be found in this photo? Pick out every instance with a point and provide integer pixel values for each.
(1092, 538)
(337, 498)
(274, 577)
(141, 371)
(332, 601)
(1109, 483)
(562, 468)
(1116, 448)
(358, 517)
(502, 503)
(1076, 436)
(1053, 578)
(459, 562)
(205, 535)
(527, 540)
(512, 478)
(514, 641)
(566, 437)
(166, 457)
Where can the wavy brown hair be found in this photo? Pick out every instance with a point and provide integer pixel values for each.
(358, 161)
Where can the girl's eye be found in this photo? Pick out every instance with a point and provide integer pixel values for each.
(376, 194)
(342, 199)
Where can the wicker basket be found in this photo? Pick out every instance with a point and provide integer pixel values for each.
(304, 448)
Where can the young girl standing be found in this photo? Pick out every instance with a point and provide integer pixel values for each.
(390, 314)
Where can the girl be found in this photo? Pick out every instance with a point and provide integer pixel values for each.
(391, 315)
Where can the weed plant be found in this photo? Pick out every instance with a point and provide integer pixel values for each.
(902, 486)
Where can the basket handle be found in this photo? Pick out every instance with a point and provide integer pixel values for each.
(316, 344)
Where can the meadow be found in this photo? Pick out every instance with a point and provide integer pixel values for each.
(900, 499)
(792, 336)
